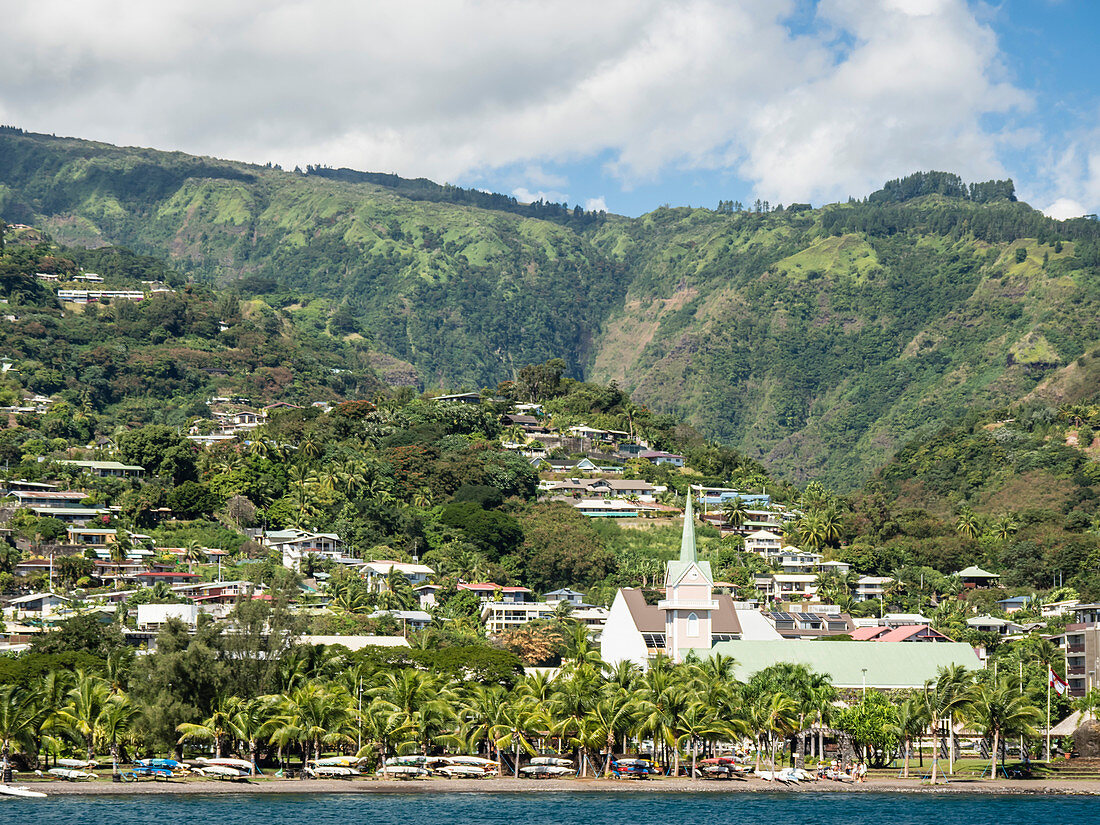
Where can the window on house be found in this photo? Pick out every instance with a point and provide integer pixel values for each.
(693, 625)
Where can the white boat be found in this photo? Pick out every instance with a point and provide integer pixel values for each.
(767, 776)
(415, 760)
(462, 771)
(17, 790)
(79, 764)
(331, 771)
(482, 761)
(787, 776)
(403, 771)
(71, 774)
(341, 761)
(556, 761)
(241, 764)
(220, 771)
(545, 770)
(804, 775)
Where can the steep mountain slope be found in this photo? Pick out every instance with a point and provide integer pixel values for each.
(463, 294)
(820, 341)
(815, 340)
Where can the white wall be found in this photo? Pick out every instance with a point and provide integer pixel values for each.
(158, 614)
(621, 639)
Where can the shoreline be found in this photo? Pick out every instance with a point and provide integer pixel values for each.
(497, 785)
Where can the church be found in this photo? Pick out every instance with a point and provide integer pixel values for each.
(690, 616)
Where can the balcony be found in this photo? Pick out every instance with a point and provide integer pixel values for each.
(687, 604)
(1075, 648)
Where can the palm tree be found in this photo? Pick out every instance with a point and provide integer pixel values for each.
(1089, 703)
(214, 729)
(251, 721)
(50, 694)
(943, 698)
(779, 719)
(519, 717)
(573, 700)
(614, 714)
(194, 553)
(812, 531)
(1005, 527)
(700, 723)
(115, 721)
(1000, 710)
(911, 721)
(18, 721)
(397, 593)
(385, 729)
(422, 699)
(81, 715)
(350, 601)
(579, 650)
(735, 512)
(968, 523)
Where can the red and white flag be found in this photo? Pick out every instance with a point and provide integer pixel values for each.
(1056, 682)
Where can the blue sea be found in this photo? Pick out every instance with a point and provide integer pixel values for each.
(638, 808)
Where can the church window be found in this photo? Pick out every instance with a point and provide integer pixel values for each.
(693, 625)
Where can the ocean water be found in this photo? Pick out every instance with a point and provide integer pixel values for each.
(543, 808)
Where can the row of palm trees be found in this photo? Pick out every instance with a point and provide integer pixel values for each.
(998, 709)
(588, 708)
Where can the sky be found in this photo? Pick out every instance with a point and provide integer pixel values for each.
(622, 105)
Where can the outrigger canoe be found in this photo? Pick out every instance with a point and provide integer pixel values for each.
(71, 774)
(17, 790)
(555, 761)
(544, 771)
(331, 771)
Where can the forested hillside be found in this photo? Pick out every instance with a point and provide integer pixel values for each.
(817, 341)
(155, 360)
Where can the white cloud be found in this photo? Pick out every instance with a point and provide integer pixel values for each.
(451, 89)
(595, 204)
(1064, 208)
(526, 196)
(1071, 177)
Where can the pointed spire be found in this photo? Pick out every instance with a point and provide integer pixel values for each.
(687, 542)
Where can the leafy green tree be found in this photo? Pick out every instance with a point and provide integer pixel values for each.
(160, 450)
(191, 500)
(873, 724)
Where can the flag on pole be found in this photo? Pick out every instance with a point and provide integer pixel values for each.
(1056, 682)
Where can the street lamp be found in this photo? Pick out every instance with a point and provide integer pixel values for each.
(865, 682)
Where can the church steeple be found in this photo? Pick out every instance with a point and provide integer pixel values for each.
(687, 541)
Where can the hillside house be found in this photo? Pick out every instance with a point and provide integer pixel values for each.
(661, 457)
(376, 572)
(107, 469)
(974, 576)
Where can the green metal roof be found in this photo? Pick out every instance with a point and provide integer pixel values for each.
(889, 664)
(976, 572)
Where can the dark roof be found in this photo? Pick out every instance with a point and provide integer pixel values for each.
(647, 618)
(520, 419)
(724, 619)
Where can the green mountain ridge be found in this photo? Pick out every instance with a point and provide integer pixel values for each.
(817, 341)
